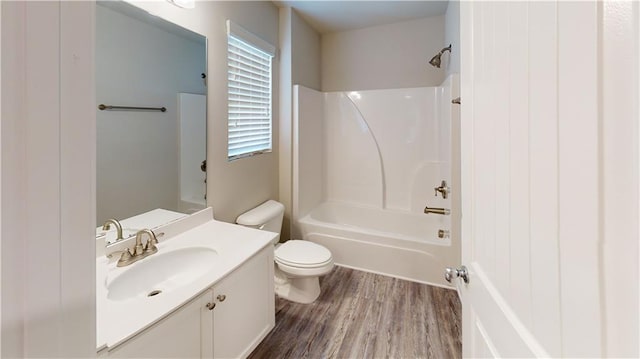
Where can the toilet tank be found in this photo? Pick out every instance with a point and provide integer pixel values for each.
(267, 216)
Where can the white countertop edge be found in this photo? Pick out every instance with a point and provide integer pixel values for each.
(140, 313)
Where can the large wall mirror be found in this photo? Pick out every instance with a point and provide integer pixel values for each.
(151, 154)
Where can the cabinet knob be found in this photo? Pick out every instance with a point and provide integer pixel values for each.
(221, 297)
(210, 306)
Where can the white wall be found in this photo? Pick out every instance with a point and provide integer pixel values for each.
(285, 121)
(139, 64)
(451, 61)
(0, 181)
(237, 186)
(306, 53)
(300, 51)
(13, 175)
(383, 57)
(48, 179)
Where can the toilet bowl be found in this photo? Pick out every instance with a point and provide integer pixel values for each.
(298, 263)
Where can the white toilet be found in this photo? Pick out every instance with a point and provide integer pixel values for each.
(298, 264)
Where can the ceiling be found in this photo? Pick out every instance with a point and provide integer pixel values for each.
(137, 13)
(334, 16)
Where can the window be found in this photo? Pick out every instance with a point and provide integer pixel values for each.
(249, 93)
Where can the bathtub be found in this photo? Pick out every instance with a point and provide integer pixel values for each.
(394, 243)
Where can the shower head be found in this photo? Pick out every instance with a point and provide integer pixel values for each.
(435, 61)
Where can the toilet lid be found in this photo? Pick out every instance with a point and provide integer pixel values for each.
(302, 254)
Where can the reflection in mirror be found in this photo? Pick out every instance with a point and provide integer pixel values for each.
(149, 161)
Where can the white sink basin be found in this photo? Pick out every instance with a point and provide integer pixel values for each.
(161, 272)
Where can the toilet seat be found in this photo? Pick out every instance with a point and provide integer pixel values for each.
(302, 254)
(302, 272)
(298, 265)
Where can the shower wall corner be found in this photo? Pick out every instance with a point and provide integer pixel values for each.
(308, 153)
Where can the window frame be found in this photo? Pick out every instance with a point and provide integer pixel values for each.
(257, 47)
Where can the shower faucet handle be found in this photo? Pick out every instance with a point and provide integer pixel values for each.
(444, 189)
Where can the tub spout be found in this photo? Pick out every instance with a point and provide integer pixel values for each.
(442, 211)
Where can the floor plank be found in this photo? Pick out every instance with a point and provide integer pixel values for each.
(365, 315)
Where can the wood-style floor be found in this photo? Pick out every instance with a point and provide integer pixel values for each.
(365, 315)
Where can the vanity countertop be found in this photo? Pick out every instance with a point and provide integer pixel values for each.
(118, 321)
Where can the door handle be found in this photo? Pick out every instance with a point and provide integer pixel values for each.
(451, 273)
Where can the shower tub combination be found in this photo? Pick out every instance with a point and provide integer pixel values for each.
(403, 245)
(360, 189)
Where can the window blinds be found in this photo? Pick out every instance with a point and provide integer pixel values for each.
(249, 93)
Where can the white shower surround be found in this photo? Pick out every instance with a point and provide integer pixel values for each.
(365, 165)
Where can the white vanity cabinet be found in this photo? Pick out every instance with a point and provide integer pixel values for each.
(185, 333)
(227, 321)
(245, 307)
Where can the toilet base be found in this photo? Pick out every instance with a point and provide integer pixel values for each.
(303, 290)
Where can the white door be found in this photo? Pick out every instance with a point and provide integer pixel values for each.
(538, 232)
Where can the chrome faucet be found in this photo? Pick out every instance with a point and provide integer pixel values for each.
(139, 251)
(442, 211)
(107, 225)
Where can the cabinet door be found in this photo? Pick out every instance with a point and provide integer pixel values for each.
(245, 311)
(183, 334)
